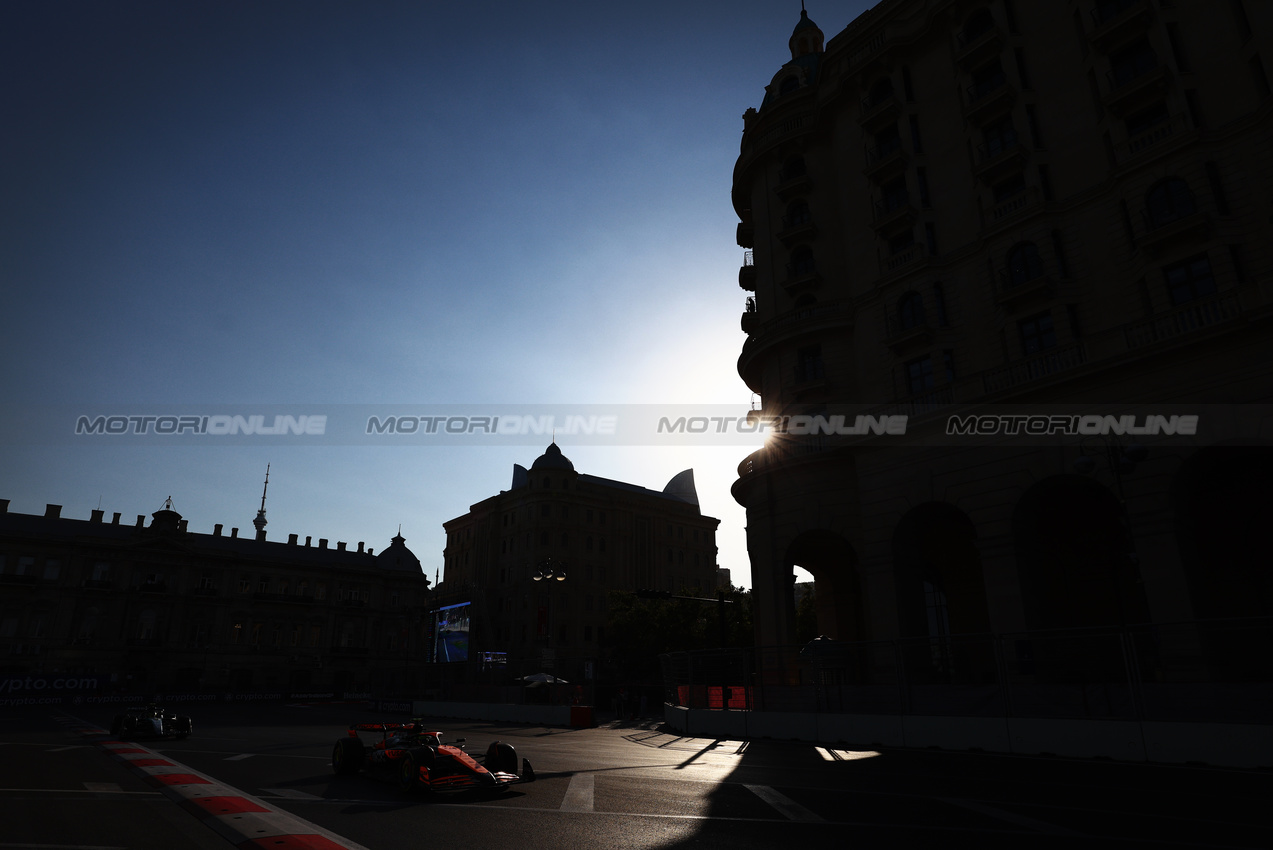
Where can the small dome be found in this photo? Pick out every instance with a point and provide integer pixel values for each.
(398, 556)
(552, 458)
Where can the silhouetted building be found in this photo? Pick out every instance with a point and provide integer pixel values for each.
(158, 608)
(971, 205)
(602, 535)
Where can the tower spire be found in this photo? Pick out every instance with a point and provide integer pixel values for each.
(260, 520)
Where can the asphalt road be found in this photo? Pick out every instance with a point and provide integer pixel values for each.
(617, 786)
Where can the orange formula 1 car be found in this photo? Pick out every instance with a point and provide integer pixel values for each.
(418, 760)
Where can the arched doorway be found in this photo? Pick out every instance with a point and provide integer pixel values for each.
(941, 596)
(832, 562)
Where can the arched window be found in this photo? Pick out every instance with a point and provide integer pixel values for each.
(797, 213)
(910, 311)
(801, 261)
(790, 84)
(1167, 201)
(1024, 263)
(792, 167)
(881, 91)
(978, 24)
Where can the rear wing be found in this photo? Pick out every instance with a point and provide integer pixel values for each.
(413, 727)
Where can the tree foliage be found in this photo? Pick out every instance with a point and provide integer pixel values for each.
(639, 630)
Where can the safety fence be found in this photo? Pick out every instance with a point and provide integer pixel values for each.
(1205, 670)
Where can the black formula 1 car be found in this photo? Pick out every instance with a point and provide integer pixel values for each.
(151, 721)
(418, 760)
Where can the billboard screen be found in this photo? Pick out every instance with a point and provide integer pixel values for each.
(451, 633)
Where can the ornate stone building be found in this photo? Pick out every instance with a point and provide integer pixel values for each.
(1002, 206)
(159, 608)
(506, 554)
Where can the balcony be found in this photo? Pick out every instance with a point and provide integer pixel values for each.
(1130, 88)
(1153, 138)
(885, 160)
(894, 215)
(905, 337)
(24, 580)
(205, 591)
(750, 320)
(879, 111)
(906, 260)
(999, 158)
(792, 184)
(153, 587)
(1191, 318)
(1015, 207)
(747, 272)
(1117, 22)
(801, 277)
(988, 99)
(1053, 362)
(1023, 295)
(98, 584)
(745, 234)
(973, 48)
(1187, 228)
(834, 316)
(797, 228)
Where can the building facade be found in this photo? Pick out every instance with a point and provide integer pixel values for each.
(508, 555)
(160, 609)
(987, 206)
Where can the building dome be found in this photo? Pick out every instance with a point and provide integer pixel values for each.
(552, 458)
(398, 556)
(806, 38)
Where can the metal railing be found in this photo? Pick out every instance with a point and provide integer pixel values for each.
(1200, 671)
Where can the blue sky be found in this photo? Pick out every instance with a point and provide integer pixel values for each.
(371, 203)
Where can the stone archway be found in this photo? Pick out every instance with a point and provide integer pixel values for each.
(833, 563)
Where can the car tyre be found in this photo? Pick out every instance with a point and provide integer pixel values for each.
(501, 757)
(347, 756)
(412, 761)
(117, 725)
(184, 726)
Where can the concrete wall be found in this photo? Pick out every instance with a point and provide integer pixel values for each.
(542, 715)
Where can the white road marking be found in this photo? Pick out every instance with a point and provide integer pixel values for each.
(103, 787)
(290, 793)
(580, 793)
(1010, 817)
(64, 749)
(829, 754)
(788, 807)
(241, 757)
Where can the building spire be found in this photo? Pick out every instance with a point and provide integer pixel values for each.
(260, 520)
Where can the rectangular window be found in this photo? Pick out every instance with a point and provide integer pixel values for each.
(1132, 62)
(921, 177)
(1177, 49)
(1240, 18)
(1009, 188)
(1032, 124)
(1239, 267)
(1082, 34)
(1259, 77)
(1128, 231)
(906, 84)
(1037, 334)
(919, 375)
(948, 364)
(1217, 188)
(917, 145)
(1045, 181)
(1021, 71)
(808, 367)
(1072, 312)
(1189, 280)
(1195, 110)
(1058, 248)
(1009, 16)
(1096, 94)
(930, 236)
(939, 300)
